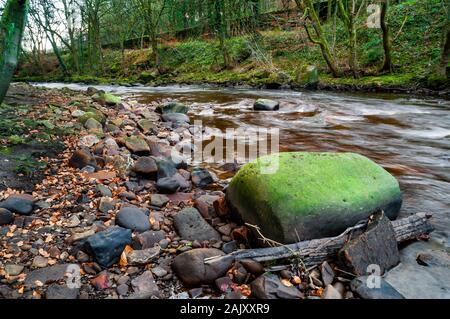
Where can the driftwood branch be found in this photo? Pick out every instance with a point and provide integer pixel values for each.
(316, 251)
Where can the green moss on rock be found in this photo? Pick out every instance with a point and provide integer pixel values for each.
(313, 194)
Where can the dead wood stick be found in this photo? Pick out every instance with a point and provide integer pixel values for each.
(316, 251)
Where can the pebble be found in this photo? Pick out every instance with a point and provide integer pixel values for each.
(103, 190)
(133, 218)
(201, 177)
(159, 271)
(167, 185)
(145, 286)
(159, 200)
(40, 262)
(143, 257)
(61, 292)
(20, 204)
(191, 269)
(122, 289)
(150, 238)
(107, 246)
(190, 225)
(13, 269)
(6, 217)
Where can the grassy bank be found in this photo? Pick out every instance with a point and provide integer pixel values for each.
(279, 57)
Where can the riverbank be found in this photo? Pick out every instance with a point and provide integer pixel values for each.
(100, 180)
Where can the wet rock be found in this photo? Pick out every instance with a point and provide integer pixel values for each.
(266, 105)
(143, 257)
(82, 257)
(133, 218)
(106, 204)
(364, 287)
(137, 145)
(145, 287)
(191, 269)
(107, 246)
(168, 185)
(6, 217)
(48, 275)
(201, 177)
(327, 273)
(159, 200)
(39, 262)
(331, 293)
(205, 205)
(176, 118)
(172, 107)
(61, 292)
(270, 287)
(13, 269)
(146, 166)
(423, 273)
(190, 225)
(93, 125)
(150, 238)
(20, 204)
(376, 246)
(82, 158)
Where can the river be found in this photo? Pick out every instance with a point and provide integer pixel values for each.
(408, 135)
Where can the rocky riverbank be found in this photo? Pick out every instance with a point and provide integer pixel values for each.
(115, 217)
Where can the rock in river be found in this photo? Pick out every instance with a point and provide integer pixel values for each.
(190, 225)
(176, 118)
(363, 287)
(293, 196)
(20, 204)
(133, 218)
(266, 105)
(192, 270)
(107, 246)
(172, 107)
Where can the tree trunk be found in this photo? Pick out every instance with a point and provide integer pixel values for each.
(11, 30)
(387, 42)
(316, 251)
(320, 39)
(445, 48)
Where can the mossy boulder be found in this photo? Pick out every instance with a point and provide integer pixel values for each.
(304, 196)
(107, 99)
(172, 107)
(91, 113)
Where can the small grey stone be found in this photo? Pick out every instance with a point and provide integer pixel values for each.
(190, 225)
(59, 292)
(13, 269)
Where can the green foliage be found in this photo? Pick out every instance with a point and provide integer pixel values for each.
(27, 165)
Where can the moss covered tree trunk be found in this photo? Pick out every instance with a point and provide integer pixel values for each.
(11, 30)
(387, 42)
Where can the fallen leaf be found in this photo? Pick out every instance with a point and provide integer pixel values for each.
(286, 282)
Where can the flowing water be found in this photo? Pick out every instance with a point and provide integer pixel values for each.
(407, 135)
